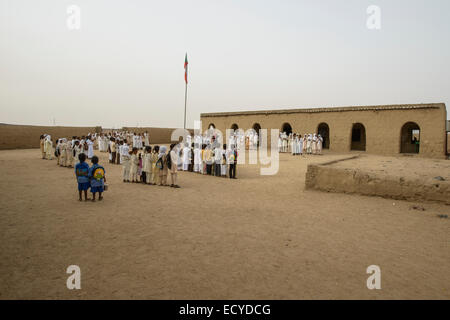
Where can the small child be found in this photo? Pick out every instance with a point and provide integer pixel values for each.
(98, 179)
(134, 160)
(155, 169)
(82, 175)
(126, 165)
(139, 172)
(147, 165)
(224, 167)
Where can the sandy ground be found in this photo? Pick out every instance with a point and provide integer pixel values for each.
(258, 237)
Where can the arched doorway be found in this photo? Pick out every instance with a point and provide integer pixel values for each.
(410, 138)
(211, 125)
(358, 137)
(286, 128)
(324, 130)
(234, 126)
(257, 128)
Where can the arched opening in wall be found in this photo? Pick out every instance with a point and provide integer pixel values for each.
(234, 126)
(410, 138)
(257, 128)
(286, 128)
(324, 130)
(211, 126)
(358, 137)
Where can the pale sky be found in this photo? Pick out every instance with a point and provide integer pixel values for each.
(124, 67)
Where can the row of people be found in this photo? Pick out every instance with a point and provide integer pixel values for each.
(151, 165)
(137, 140)
(297, 144)
(65, 149)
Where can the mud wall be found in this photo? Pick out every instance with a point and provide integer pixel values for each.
(25, 137)
(325, 177)
(382, 125)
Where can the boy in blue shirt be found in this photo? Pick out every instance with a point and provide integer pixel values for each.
(97, 177)
(82, 174)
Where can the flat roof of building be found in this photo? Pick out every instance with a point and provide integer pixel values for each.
(330, 109)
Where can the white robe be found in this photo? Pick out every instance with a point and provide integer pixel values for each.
(90, 148)
(197, 159)
(186, 158)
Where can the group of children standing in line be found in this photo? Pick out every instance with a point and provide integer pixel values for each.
(151, 165)
(298, 145)
(141, 162)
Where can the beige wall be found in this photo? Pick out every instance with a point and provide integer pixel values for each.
(24, 137)
(382, 127)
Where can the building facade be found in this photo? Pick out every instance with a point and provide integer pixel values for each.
(386, 130)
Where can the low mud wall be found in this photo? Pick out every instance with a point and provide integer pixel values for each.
(27, 137)
(325, 177)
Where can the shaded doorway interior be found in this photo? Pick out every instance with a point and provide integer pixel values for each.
(358, 137)
(286, 128)
(410, 138)
(324, 130)
(257, 128)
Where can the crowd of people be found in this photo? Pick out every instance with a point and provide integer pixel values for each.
(141, 163)
(296, 144)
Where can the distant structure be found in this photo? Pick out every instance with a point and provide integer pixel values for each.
(386, 130)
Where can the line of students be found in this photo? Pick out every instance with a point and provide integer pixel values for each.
(298, 145)
(211, 159)
(149, 166)
(152, 165)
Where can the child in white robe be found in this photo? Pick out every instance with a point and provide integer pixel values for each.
(147, 164)
(308, 144)
(224, 166)
(90, 151)
(293, 144)
(319, 144)
(186, 157)
(197, 158)
(300, 144)
(280, 143)
(134, 165)
(62, 153)
(126, 165)
(77, 151)
(146, 139)
(314, 144)
(69, 154)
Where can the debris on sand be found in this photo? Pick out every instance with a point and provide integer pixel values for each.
(439, 178)
(417, 207)
(442, 216)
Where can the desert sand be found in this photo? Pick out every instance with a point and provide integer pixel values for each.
(257, 237)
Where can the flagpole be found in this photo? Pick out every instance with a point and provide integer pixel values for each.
(185, 89)
(185, 102)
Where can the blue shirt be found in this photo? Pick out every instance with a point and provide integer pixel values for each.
(96, 181)
(82, 172)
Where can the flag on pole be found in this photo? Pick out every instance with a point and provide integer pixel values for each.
(185, 68)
